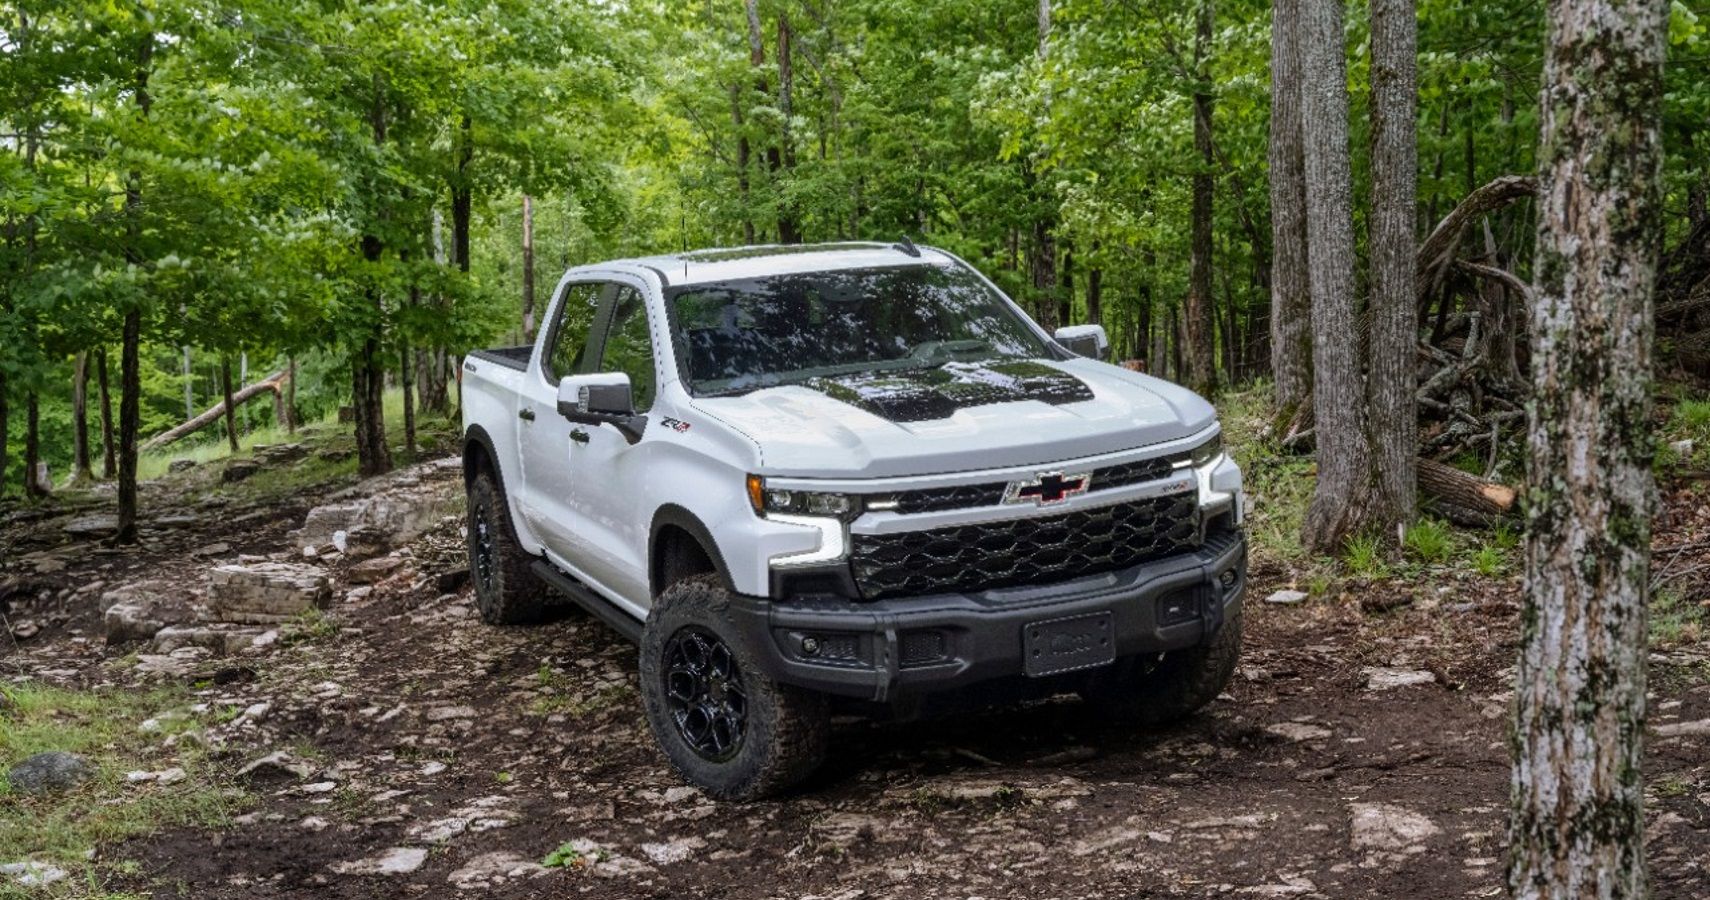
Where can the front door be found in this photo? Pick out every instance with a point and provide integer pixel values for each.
(607, 469)
(549, 480)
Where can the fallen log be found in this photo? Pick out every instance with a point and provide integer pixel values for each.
(1464, 498)
(273, 383)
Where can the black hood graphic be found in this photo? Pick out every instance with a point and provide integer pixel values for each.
(922, 395)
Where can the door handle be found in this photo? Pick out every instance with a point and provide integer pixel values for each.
(579, 436)
(526, 414)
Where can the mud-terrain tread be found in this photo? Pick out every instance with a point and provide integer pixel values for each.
(788, 728)
(1179, 686)
(519, 597)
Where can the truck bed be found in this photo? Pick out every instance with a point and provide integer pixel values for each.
(509, 357)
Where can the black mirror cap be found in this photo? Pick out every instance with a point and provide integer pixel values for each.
(1086, 346)
(608, 400)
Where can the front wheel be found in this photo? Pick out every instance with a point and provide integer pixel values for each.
(725, 726)
(1156, 690)
(507, 592)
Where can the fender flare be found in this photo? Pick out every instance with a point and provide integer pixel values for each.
(475, 437)
(673, 515)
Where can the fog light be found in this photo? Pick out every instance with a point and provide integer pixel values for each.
(810, 646)
(1227, 578)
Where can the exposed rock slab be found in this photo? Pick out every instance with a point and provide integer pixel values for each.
(267, 593)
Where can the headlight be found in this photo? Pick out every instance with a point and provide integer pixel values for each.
(1208, 451)
(800, 503)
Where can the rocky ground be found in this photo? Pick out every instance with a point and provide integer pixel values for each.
(386, 743)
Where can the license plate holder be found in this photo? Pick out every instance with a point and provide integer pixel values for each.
(1064, 645)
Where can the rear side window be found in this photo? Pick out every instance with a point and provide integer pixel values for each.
(628, 347)
(570, 333)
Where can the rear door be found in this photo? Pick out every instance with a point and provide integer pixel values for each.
(549, 482)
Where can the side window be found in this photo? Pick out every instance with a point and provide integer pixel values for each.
(628, 348)
(570, 332)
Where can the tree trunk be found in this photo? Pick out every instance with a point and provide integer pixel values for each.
(81, 471)
(1201, 319)
(230, 414)
(189, 384)
(109, 467)
(1394, 314)
(527, 274)
(757, 61)
(367, 373)
(1043, 267)
(744, 157)
(789, 229)
(408, 384)
(291, 394)
(1095, 296)
(1291, 304)
(1342, 499)
(462, 194)
(33, 486)
(130, 379)
(1066, 300)
(130, 394)
(1577, 828)
(5, 431)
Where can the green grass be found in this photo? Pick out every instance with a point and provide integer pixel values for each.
(1429, 541)
(1364, 556)
(102, 726)
(1675, 619)
(1490, 561)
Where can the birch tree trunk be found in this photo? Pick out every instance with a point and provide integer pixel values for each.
(1577, 818)
(1342, 499)
(1290, 314)
(1200, 319)
(1394, 317)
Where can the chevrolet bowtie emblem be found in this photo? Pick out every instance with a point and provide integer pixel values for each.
(1046, 489)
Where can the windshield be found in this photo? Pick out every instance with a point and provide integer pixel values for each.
(737, 336)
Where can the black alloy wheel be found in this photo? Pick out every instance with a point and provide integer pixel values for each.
(705, 693)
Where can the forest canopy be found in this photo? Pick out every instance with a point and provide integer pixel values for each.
(245, 186)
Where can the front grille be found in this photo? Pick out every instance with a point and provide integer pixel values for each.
(1038, 550)
(973, 496)
(963, 496)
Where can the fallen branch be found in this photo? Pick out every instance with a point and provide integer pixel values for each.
(1438, 251)
(273, 383)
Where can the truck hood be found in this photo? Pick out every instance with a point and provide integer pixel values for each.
(958, 417)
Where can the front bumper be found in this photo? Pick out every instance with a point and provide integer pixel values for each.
(918, 645)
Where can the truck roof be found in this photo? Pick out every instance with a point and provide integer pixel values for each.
(728, 263)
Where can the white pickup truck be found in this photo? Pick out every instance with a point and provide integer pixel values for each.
(849, 472)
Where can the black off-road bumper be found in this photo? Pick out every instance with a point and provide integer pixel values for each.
(888, 648)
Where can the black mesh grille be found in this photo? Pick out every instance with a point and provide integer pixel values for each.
(1036, 550)
(1138, 472)
(964, 496)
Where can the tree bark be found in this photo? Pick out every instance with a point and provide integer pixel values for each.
(408, 385)
(1066, 300)
(130, 379)
(1095, 296)
(1394, 314)
(33, 486)
(109, 467)
(1342, 500)
(291, 395)
(81, 470)
(1291, 303)
(1201, 320)
(5, 431)
(1577, 824)
(789, 229)
(1043, 267)
(230, 408)
(462, 194)
(367, 372)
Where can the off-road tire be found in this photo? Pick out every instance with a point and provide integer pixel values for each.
(785, 728)
(1151, 691)
(507, 592)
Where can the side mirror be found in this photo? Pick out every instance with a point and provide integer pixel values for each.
(602, 399)
(1089, 341)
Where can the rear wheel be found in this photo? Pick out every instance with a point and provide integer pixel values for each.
(725, 726)
(1158, 689)
(507, 592)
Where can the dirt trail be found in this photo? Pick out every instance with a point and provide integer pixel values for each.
(438, 757)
